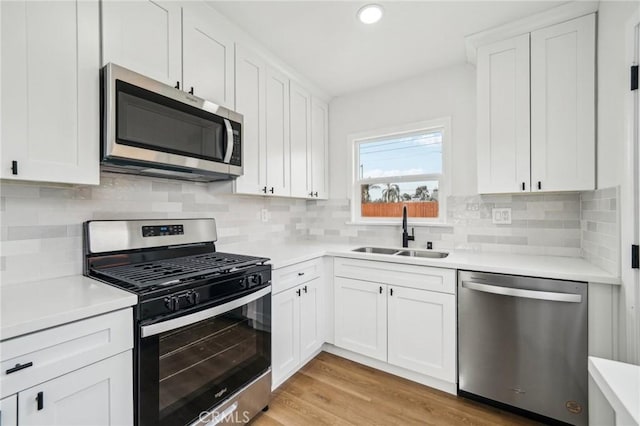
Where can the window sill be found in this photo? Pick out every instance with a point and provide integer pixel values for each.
(398, 222)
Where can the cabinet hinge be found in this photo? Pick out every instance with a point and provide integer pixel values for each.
(634, 77)
(635, 257)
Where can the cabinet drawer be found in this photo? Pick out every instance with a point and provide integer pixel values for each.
(420, 277)
(62, 349)
(291, 276)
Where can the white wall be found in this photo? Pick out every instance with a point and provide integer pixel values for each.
(613, 85)
(439, 93)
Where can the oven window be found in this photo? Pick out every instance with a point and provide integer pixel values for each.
(148, 120)
(202, 364)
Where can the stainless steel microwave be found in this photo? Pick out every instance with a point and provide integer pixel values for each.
(151, 128)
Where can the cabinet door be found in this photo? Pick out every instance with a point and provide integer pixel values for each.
(9, 411)
(503, 116)
(311, 319)
(300, 119)
(563, 106)
(144, 36)
(285, 349)
(99, 394)
(250, 102)
(422, 332)
(319, 158)
(207, 55)
(277, 121)
(50, 91)
(361, 317)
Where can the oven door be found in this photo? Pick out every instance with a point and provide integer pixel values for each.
(190, 364)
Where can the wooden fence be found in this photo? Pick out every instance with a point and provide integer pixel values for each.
(414, 209)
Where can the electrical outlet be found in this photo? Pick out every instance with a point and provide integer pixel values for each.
(264, 215)
(501, 216)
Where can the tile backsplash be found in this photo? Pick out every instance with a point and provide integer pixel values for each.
(41, 224)
(541, 224)
(601, 228)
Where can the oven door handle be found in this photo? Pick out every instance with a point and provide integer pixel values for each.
(172, 324)
(230, 142)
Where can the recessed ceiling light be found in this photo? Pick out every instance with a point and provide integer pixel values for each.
(370, 14)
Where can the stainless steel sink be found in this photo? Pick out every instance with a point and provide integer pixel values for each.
(423, 253)
(376, 250)
(411, 253)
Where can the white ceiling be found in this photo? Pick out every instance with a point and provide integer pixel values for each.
(324, 41)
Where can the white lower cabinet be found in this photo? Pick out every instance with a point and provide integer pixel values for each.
(422, 332)
(297, 318)
(361, 317)
(395, 317)
(94, 395)
(9, 411)
(80, 373)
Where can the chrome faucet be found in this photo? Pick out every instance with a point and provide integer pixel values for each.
(405, 235)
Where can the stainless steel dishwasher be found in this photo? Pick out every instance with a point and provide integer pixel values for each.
(522, 342)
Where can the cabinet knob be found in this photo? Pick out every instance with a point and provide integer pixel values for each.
(264, 189)
(305, 289)
(315, 194)
(14, 167)
(523, 187)
(539, 185)
(300, 274)
(271, 190)
(311, 194)
(177, 86)
(19, 367)
(380, 289)
(191, 91)
(299, 292)
(390, 292)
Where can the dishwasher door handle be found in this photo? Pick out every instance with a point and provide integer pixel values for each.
(518, 292)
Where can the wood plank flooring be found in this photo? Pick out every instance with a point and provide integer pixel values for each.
(331, 390)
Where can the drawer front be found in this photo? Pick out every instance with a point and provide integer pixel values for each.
(413, 276)
(62, 349)
(291, 276)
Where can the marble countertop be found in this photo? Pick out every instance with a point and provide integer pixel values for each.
(33, 306)
(556, 267)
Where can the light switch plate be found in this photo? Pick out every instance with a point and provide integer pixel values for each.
(501, 216)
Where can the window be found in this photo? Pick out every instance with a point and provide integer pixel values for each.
(401, 167)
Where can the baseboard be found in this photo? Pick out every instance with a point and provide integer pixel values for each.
(392, 369)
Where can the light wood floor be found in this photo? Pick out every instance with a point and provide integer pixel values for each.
(331, 390)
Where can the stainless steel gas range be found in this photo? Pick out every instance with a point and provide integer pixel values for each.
(202, 324)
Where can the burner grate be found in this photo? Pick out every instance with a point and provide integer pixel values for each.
(171, 271)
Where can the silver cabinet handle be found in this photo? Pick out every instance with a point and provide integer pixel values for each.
(518, 292)
(227, 155)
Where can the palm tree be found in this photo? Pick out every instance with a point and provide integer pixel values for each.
(422, 193)
(391, 193)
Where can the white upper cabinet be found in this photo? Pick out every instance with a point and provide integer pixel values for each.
(319, 158)
(50, 91)
(300, 119)
(536, 110)
(144, 36)
(503, 116)
(277, 139)
(250, 80)
(563, 106)
(208, 56)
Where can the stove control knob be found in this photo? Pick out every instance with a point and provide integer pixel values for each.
(194, 298)
(172, 303)
(253, 280)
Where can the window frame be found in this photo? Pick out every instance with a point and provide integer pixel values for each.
(355, 140)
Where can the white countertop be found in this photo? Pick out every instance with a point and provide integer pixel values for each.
(33, 306)
(620, 384)
(556, 267)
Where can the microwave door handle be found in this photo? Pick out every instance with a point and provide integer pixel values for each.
(229, 151)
